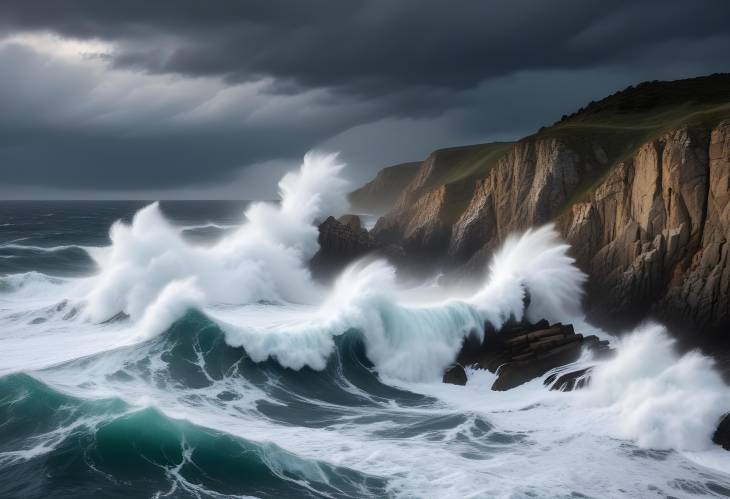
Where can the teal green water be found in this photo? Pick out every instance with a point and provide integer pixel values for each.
(56, 445)
(186, 415)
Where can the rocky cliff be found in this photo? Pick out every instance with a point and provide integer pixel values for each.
(638, 183)
(377, 196)
(340, 241)
(422, 216)
(652, 235)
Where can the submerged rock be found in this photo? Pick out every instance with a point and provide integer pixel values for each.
(722, 434)
(455, 375)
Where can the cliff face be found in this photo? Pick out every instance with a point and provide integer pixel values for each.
(422, 217)
(650, 231)
(652, 235)
(638, 184)
(529, 186)
(378, 195)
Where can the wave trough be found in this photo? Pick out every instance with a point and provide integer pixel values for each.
(223, 369)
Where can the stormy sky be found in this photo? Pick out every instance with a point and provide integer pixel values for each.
(215, 99)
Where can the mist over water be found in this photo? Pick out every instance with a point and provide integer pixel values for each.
(163, 364)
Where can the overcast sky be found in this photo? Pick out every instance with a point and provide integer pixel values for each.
(215, 99)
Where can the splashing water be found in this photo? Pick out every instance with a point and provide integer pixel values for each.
(265, 259)
(213, 352)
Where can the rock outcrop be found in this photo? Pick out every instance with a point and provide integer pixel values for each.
(340, 242)
(722, 434)
(522, 352)
(422, 217)
(422, 225)
(529, 186)
(455, 375)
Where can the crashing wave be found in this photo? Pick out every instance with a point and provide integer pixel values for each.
(264, 259)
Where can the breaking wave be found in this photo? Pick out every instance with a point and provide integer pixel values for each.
(218, 370)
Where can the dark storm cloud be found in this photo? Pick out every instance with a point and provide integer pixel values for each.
(372, 46)
(467, 69)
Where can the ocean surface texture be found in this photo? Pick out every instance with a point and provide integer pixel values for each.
(181, 349)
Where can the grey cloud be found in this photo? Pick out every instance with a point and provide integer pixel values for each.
(372, 47)
(192, 93)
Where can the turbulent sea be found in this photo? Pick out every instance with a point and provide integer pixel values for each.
(182, 349)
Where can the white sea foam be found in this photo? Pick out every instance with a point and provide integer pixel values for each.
(264, 259)
(36, 280)
(543, 443)
(416, 342)
(660, 399)
(43, 249)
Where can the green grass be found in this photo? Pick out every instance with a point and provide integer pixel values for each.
(621, 136)
(624, 121)
(620, 124)
(456, 164)
(458, 168)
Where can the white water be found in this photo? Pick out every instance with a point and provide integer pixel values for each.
(265, 259)
(646, 397)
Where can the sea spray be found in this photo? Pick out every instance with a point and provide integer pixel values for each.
(659, 398)
(184, 407)
(264, 259)
(537, 263)
(416, 342)
(151, 274)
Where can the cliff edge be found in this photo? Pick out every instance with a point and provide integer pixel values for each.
(638, 183)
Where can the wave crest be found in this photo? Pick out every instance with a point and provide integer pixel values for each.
(264, 259)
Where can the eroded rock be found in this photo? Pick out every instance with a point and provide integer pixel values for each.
(521, 352)
(341, 242)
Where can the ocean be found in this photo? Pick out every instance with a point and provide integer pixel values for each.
(181, 349)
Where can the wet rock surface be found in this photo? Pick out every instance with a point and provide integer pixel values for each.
(522, 352)
(722, 434)
(455, 375)
(340, 242)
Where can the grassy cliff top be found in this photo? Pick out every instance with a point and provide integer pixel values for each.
(650, 99)
(620, 123)
(635, 115)
(454, 164)
(380, 193)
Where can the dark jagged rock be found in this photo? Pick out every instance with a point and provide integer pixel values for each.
(352, 221)
(455, 375)
(514, 373)
(344, 237)
(520, 352)
(722, 434)
(344, 240)
(340, 242)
